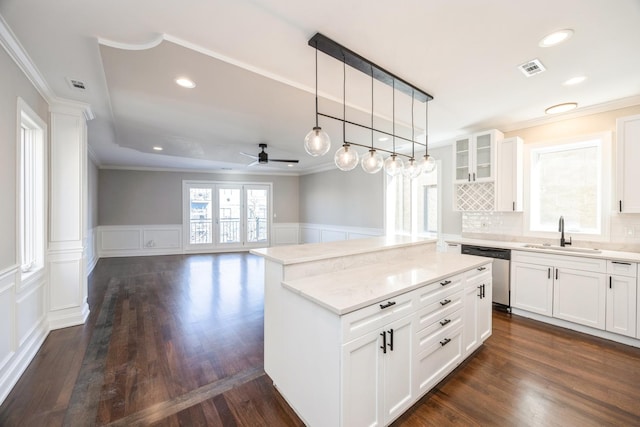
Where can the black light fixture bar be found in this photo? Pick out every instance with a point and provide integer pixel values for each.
(360, 63)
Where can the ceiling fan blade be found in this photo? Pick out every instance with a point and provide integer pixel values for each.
(249, 155)
(284, 161)
(253, 163)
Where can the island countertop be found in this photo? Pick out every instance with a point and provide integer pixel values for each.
(348, 290)
(296, 254)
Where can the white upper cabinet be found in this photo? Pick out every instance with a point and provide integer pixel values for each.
(509, 175)
(475, 156)
(628, 158)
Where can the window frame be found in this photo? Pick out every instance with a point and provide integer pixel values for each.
(35, 131)
(605, 186)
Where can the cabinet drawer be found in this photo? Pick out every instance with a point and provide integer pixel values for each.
(438, 311)
(439, 356)
(438, 291)
(438, 325)
(479, 274)
(622, 268)
(561, 261)
(375, 316)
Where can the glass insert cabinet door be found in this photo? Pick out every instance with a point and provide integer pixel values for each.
(226, 215)
(463, 159)
(483, 156)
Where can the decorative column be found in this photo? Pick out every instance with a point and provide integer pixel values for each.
(67, 296)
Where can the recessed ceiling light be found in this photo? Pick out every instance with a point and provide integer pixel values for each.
(575, 80)
(185, 82)
(555, 38)
(561, 108)
(383, 138)
(158, 148)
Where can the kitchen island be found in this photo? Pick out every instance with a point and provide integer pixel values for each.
(357, 331)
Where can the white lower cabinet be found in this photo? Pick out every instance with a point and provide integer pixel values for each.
(377, 383)
(594, 292)
(477, 308)
(579, 297)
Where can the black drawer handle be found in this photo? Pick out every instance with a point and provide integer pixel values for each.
(482, 268)
(445, 342)
(387, 305)
(621, 263)
(445, 283)
(445, 302)
(445, 322)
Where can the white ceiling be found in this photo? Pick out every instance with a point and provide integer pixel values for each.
(255, 71)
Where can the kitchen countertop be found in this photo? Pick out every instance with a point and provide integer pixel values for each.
(345, 291)
(520, 246)
(296, 254)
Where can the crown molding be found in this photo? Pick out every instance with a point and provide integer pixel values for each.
(208, 171)
(17, 52)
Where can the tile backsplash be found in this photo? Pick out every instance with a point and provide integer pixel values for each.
(624, 233)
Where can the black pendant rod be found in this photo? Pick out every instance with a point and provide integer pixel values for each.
(362, 64)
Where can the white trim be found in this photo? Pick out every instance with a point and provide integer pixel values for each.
(207, 171)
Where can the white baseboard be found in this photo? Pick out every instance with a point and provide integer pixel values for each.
(68, 317)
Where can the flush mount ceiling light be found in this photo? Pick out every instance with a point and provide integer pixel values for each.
(575, 80)
(555, 38)
(185, 82)
(346, 158)
(158, 148)
(561, 108)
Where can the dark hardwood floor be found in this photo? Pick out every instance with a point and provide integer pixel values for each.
(177, 341)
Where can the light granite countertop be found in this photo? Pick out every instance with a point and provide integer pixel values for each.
(348, 290)
(296, 254)
(521, 246)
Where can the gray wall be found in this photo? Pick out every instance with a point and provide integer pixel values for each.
(451, 220)
(13, 84)
(335, 197)
(127, 197)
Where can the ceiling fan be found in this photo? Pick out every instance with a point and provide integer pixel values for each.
(263, 158)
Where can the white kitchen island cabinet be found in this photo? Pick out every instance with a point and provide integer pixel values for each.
(356, 339)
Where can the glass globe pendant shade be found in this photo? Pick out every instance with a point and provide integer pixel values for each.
(372, 162)
(317, 142)
(427, 164)
(394, 165)
(412, 169)
(346, 158)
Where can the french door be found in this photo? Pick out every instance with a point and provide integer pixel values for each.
(226, 215)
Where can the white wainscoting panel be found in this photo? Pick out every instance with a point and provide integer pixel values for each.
(7, 322)
(285, 233)
(64, 291)
(91, 249)
(317, 233)
(29, 312)
(139, 240)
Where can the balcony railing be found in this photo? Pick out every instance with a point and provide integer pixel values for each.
(229, 231)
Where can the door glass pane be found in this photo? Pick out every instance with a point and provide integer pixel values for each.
(462, 159)
(483, 156)
(229, 214)
(200, 216)
(257, 211)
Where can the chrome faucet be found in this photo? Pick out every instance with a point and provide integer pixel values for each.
(563, 242)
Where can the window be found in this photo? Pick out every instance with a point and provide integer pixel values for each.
(31, 146)
(412, 206)
(226, 214)
(569, 179)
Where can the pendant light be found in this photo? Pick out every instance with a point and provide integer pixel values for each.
(412, 168)
(427, 163)
(372, 162)
(317, 142)
(393, 165)
(346, 158)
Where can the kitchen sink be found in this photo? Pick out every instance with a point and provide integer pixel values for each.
(563, 248)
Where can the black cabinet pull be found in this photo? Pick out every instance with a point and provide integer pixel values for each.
(482, 268)
(474, 176)
(556, 274)
(445, 322)
(620, 263)
(514, 206)
(549, 273)
(470, 179)
(445, 342)
(384, 342)
(445, 302)
(483, 295)
(387, 305)
(609, 282)
(445, 283)
(390, 339)
(620, 205)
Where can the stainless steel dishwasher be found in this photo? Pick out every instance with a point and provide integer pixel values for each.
(500, 271)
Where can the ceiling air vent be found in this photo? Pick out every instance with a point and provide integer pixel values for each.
(76, 84)
(532, 67)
